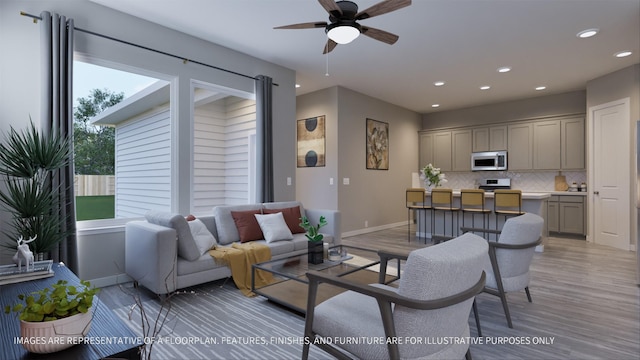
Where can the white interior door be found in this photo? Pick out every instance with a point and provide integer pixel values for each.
(610, 174)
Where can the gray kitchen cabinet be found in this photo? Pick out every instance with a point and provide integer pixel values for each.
(520, 146)
(566, 214)
(491, 138)
(573, 143)
(546, 145)
(425, 145)
(461, 150)
(552, 214)
(435, 148)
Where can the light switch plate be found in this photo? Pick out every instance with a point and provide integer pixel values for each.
(345, 181)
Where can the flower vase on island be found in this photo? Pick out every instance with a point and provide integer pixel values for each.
(432, 177)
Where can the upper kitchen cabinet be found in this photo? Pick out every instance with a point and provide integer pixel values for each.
(572, 143)
(461, 150)
(546, 145)
(492, 138)
(520, 146)
(435, 148)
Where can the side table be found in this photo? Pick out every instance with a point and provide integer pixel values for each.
(108, 337)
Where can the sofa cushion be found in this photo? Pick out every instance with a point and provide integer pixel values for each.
(291, 217)
(201, 235)
(225, 226)
(187, 247)
(274, 227)
(247, 225)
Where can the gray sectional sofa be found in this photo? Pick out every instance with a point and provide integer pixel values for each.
(162, 255)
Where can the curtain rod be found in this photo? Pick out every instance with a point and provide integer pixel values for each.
(184, 60)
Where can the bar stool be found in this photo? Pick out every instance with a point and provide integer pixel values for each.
(472, 201)
(507, 203)
(416, 200)
(442, 200)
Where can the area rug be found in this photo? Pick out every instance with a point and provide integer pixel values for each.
(215, 321)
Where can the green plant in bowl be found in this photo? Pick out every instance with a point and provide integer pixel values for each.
(313, 232)
(57, 302)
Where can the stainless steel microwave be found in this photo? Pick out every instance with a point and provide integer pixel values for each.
(489, 160)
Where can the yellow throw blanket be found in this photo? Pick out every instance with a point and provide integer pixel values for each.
(239, 258)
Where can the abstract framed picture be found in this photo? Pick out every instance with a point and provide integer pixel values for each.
(377, 145)
(311, 142)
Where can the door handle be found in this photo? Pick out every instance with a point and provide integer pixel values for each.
(596, 192)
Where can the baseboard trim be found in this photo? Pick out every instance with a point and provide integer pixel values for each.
(111, 280)
(372, 229)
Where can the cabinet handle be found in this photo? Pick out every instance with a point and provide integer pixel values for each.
(596, 192)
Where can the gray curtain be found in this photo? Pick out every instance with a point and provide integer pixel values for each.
(56, 45)
(264, 139)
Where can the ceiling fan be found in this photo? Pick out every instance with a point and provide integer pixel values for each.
(344, 16)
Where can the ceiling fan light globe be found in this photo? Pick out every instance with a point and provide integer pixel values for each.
(343, 34)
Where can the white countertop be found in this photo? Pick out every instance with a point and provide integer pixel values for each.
(525, 195)
(570, 193)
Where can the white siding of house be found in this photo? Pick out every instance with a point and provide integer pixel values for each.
(221, 153)
(143, 164)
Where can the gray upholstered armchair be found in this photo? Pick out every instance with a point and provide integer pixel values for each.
(510, 257)
(433, 301)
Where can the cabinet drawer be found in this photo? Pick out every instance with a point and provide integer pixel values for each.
(571, 199)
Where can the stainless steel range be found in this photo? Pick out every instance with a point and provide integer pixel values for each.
(493, 184)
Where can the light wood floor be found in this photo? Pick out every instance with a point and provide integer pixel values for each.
(585, 299)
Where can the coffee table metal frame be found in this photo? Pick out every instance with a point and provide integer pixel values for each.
(290, 287)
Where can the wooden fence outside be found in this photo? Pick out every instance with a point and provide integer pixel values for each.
(91, 185)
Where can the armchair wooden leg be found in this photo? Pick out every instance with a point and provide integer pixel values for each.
(505, 306)
(475, 313)
(528, 293)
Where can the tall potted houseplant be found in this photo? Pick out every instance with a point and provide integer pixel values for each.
(27, 161)
(315, 245)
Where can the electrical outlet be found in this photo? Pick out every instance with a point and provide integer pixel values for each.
(366, 223)
(345, 181)
(289, 181)
(330, 181)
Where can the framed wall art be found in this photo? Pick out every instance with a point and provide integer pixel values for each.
(311, 142)
(377, 145)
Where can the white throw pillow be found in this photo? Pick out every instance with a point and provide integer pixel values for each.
(274, 227)
(203, 237)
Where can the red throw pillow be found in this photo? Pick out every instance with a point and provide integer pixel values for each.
(291, 217)
(247, 225)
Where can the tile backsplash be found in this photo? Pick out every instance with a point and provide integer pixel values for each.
(525, 181)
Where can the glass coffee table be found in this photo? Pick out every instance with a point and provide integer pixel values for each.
(290, 283)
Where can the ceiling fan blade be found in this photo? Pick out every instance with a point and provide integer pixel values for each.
(382, 7)
(309, 25)
(329, 46)
(380, 35)
(331, 7)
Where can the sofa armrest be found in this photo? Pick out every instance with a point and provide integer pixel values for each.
(333, 222)
(151, 253)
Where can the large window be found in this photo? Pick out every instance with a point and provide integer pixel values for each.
(224, 126)
(125, 149)
(122, 143)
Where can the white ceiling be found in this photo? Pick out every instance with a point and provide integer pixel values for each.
(461, 42)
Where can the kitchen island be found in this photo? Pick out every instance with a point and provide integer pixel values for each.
(532, 202)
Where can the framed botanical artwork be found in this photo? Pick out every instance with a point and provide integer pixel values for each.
(377, 145)
(311, 142)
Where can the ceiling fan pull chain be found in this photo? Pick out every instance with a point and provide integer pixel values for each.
(327, 69)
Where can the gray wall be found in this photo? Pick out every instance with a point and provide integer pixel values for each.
(20, 94)
(536, 107)
(374, 196)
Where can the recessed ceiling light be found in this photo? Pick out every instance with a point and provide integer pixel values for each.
(587, 33)
(297, 86)
(485, 87)
(438, 83)
(504, 69)
(623, 54)
(540, 88)
(435, 105)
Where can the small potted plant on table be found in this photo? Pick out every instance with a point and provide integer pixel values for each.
(315, 245)
(56, 317)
